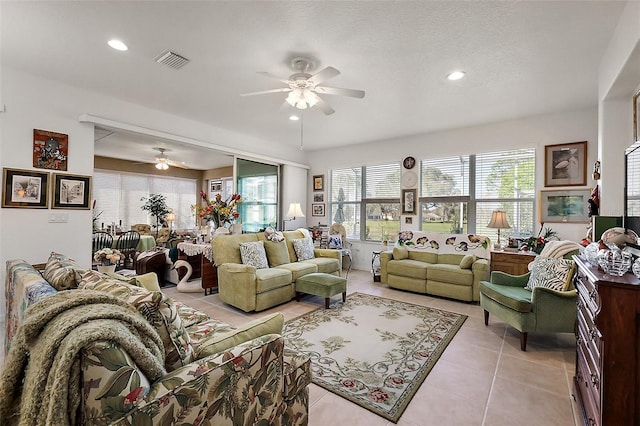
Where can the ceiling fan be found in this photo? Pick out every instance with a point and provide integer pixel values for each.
(163, 162)
(304, 88)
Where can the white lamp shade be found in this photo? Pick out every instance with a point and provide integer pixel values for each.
(295, 210)
(499, 220)
(171, 217)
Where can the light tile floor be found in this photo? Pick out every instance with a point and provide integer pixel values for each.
(482, 377)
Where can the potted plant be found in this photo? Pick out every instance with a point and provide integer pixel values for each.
(107, 259)
(156, 205)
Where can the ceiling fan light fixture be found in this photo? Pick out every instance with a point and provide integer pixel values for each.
(162, 166)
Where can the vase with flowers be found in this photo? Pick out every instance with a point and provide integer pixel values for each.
(220, 213)
(536, 244)
(107, 259)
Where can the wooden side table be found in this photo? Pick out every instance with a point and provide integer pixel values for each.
(510, 262)
(200, 258)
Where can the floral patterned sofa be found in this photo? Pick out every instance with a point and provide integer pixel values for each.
(253, 381)
(448, 265)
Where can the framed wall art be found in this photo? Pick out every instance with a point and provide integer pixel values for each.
(565, 164)
(408, 201)
(50, 150)
(25, 189)
(317, 209)
(71, 191)
(568, 206)
(318, 198)
(318, 183)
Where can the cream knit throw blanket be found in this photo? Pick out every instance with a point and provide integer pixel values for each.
(40, 383)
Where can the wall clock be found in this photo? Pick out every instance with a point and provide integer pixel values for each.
(409, 162)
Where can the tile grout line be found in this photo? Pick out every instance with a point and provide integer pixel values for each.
(493, 380)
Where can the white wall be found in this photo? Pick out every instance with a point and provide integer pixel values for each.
(536, 132)
(36, 103)
(294, 190)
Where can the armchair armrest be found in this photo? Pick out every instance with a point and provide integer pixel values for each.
(385, 257)
(556, 311)
(502, 278)
(241, 386)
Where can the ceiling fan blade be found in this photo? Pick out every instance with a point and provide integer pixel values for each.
(177, 164)
(341, 92)
(263, 92)
(325, 107)
(325, 74)
(273, 76)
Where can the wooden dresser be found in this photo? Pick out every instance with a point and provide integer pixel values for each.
(510, 262)
(607, 378)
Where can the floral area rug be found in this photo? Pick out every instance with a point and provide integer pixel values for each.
(373, 351)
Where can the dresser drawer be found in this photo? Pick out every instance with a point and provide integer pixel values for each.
(588, 295)
(589, 341)
(589, 377)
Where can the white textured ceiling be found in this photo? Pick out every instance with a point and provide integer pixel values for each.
(521, 58)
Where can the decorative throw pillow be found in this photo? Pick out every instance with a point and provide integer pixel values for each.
(335, 241)
(218, 342)
(400, 253)
(303, 248)
(467, 261)
(253, 254)
(156, 307)
(277, 252)
(61, 272)
(552, 273)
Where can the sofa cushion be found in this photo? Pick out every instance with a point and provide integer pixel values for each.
(156, 307)
(303, 248)
(148, 280)
(450, 259)
(226, 248)
(277, 253)
(253, 254)
(335, 241)
(423, 256)
(61, 272)
(408, 268)
(218, 342)
(189, 315)
(271, 278)
(552, 273)
(299, 269)
(400, 253)
(446, 273)
(201, 331)
(467, 261)
(327, 265)
(516, 298)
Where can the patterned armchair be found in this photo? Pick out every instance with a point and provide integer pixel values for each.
(258, 381)
(164, 234)
(141, 228)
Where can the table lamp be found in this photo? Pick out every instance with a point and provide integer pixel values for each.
(294, 211)
(498, 221)
(171, 217)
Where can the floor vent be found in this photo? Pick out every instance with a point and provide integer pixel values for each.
(172, 59)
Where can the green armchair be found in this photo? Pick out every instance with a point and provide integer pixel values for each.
(542, 310)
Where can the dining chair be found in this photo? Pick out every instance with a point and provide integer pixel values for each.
(127, 243)
(101, 240)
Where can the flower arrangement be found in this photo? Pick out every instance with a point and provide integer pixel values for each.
(108, 256)
(219, 211)
(536, 244)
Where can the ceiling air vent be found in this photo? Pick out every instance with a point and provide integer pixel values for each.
(171, 59)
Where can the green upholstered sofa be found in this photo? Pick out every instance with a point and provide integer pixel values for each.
(255, 380)
(448, 265)
(251, 289)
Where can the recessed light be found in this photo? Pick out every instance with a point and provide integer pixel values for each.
(118, 45)
(456, 75)
(294, 118)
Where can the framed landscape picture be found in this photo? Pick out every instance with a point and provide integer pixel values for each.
(71, 191)
(317, 209)
(565, 164)
(24, 189)
(565, 206)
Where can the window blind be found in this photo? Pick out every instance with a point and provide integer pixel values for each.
(506, 174)
(382, 181)
(444, 177)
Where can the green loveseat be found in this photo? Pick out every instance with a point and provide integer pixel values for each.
(448, 265)
(251, 289)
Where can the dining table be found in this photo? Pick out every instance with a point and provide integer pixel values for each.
(147, 242)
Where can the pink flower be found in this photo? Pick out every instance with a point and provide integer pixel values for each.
(378, 395)
(349, 383)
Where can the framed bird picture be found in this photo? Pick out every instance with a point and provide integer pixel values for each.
(565, 164)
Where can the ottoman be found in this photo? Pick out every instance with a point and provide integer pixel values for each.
(323, 285)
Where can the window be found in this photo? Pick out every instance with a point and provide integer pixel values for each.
(258, 186)
(374, 216)
(118, 195)
(633, 180)
(458, 194)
